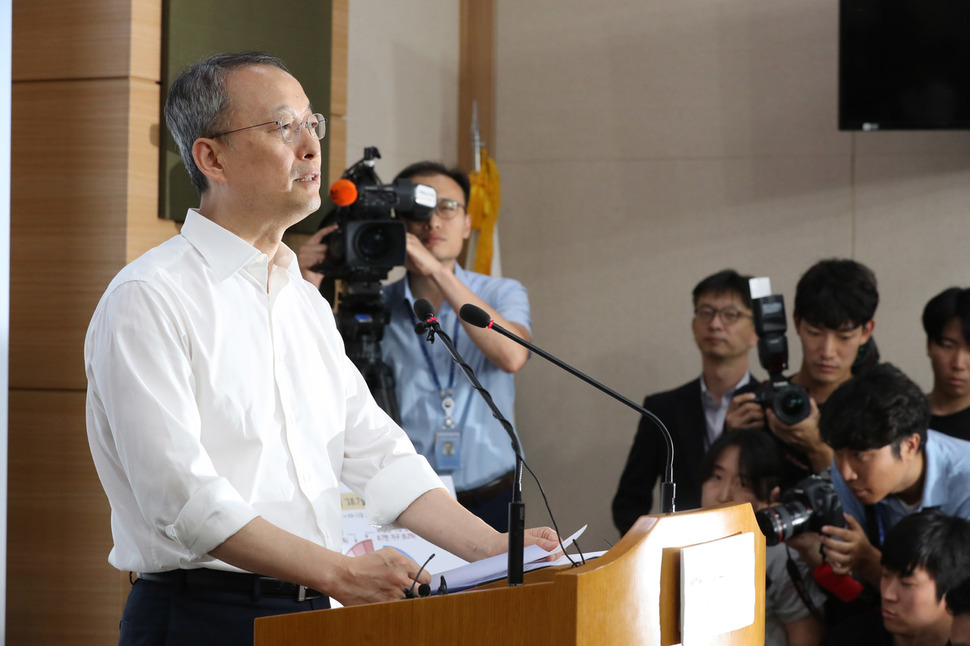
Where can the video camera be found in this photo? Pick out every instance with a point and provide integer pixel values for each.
(789, 401)
(806, 507)
(370, 241)
(371, 238)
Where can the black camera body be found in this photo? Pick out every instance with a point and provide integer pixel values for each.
(806, 507)
(789, 401)
(371, 238)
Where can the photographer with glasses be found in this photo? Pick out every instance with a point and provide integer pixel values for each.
(448, 421)
(694, 413)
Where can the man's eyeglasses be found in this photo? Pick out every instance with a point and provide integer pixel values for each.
(316, 125)
(449, 209)
(729, 315)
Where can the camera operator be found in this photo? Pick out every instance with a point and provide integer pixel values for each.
(946, 319)
(442, 414)
(835, 302)
(694, 412)
(886, 466)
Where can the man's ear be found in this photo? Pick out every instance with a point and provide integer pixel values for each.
(910, 445)
(867, 330)
(208, 155)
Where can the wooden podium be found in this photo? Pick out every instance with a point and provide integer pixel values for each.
(630, 595)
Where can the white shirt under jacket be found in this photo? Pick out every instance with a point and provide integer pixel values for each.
(214, 398)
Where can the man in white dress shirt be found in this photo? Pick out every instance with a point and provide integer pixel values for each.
(222, 411)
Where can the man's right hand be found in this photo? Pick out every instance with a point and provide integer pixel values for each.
(383, 575)
(743, 412)
(312, 253)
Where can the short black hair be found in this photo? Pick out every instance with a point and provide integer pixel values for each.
(958, 597)
(934, 541)
(952, 303)
(837, 294)
(760, 460)
(879, 407)
(726, 281)
(425, 168)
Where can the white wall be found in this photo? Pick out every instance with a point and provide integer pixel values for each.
(402, 82)
(644, 144)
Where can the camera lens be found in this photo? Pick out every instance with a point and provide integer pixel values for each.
(791, 404)
(373, 243)
(783, 521)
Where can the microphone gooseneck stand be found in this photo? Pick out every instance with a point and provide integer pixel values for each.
(429, 323)
(478, 317)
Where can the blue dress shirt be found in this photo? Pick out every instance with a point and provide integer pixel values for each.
(486, 452)
(947, 484)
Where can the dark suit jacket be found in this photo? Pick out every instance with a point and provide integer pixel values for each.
(682, 413)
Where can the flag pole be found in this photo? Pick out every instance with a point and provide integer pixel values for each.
(476, 138)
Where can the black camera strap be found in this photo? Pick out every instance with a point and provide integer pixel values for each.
(799, 582)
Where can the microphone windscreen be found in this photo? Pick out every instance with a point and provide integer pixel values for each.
(423, 309)
(474, 315)
(343, 192)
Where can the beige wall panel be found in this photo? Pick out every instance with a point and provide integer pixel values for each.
(402, 82)
(911, 228)
(632, 79)
(646, 144)
(59, 528)
(67, 39)
(68, 221)
(145, 228)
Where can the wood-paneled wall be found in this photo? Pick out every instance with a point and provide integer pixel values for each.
(84, 195)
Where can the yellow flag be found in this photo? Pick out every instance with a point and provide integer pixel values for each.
(483, 206)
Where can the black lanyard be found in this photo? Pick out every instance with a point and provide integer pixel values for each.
(427, 357)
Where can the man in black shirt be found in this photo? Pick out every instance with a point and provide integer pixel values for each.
(946, 319)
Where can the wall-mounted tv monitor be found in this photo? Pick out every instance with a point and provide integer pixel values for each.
(904, 64)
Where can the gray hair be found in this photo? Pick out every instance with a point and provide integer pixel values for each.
(198, 104)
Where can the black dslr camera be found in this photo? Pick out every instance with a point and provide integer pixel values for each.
(371, 239)
(789, 401)
(806, 507)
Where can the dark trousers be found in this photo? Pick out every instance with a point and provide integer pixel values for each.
(163, 614)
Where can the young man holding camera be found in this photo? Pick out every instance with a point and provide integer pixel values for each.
(694, 413)
(835, 302)
(886, 466)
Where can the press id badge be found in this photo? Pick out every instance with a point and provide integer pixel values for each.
(447, 449)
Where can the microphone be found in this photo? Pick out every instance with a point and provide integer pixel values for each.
(343, 192)
(474, 315)
(425, 312)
